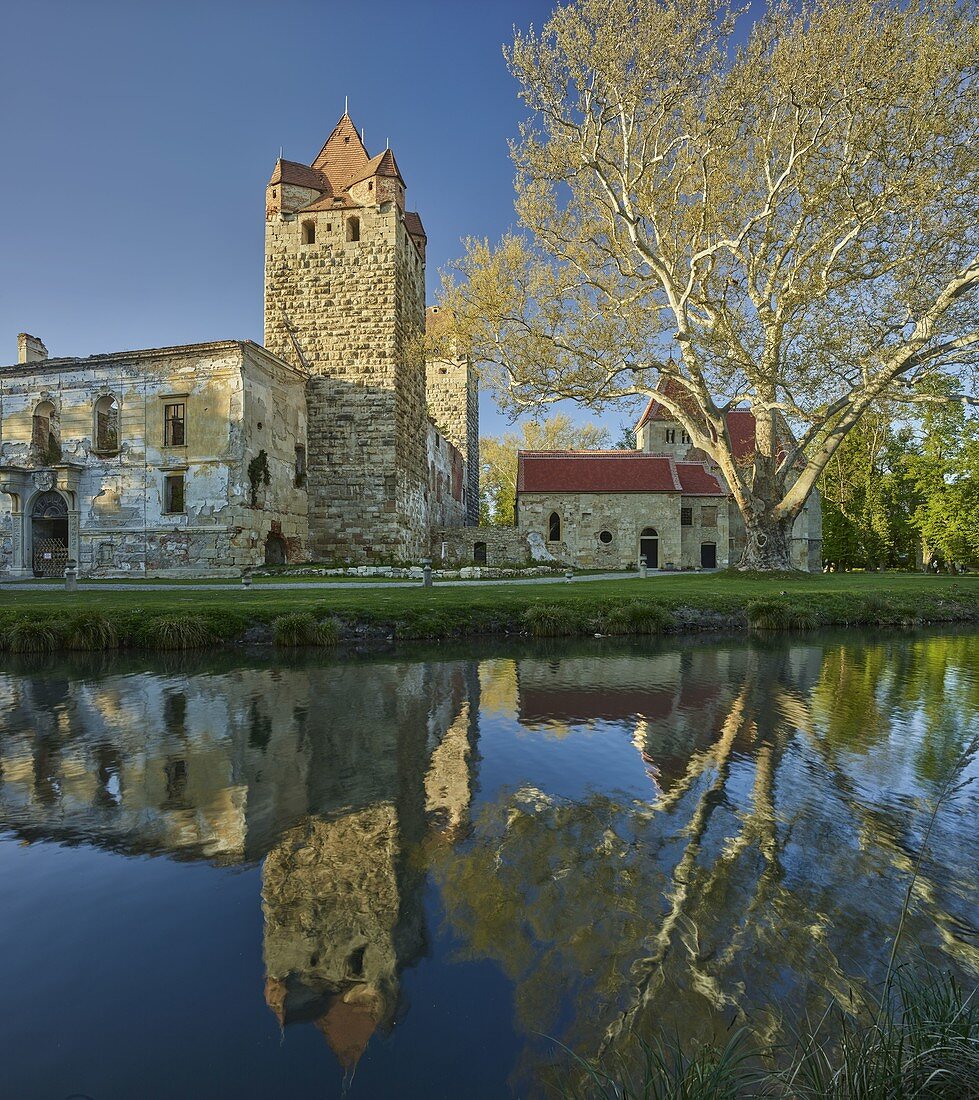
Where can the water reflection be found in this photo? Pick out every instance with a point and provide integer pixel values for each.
(638, 837)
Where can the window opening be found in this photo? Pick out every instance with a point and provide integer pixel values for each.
(45, 441)
(106, 424)
(174, 425)
(173, 493)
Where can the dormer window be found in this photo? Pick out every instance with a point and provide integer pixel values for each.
(671, 435)
(309, 232)
(353, 229)
(370, 185)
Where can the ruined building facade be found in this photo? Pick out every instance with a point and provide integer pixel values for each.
(334, 441)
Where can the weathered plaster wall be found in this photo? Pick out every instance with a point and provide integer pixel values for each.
(117, 521)
(274, 421)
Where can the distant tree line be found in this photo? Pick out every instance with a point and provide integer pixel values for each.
(901, 494)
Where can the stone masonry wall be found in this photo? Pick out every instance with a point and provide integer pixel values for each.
(504, 546)
(453, 405)
(350, 312)
(584, 516)
(445, 491)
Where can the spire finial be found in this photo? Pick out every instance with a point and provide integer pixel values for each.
(361, 135)
(345, 105)
(387, 143)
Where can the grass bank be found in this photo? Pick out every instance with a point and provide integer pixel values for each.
(921, 1044)
(52, 619)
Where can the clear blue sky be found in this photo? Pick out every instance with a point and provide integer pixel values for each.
(138, 137)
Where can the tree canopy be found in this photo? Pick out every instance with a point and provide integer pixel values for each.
(787, 224)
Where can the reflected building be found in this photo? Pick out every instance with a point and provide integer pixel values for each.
(331, 777)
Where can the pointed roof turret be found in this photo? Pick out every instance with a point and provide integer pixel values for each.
(343, 158)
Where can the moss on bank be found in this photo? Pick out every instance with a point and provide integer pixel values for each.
(52, 619)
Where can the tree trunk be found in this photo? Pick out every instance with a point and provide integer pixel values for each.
(767, 544)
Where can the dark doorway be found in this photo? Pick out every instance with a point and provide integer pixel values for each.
(708, 555)
(49, 535)
(275, 550)
(649, 547)
(479, 553)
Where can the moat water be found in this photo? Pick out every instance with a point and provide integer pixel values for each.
(426, 874)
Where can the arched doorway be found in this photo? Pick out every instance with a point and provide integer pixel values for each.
(275, 550)
(49, 534)
(479, 553)
(649, 547)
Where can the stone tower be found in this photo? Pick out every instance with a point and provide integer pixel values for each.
(453, 405)
(345, 300)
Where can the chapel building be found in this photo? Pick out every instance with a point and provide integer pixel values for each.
(665, 504)
(333, 440)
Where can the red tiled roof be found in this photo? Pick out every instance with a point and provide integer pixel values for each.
(655, 411)
(343, 157)
(740, 422)
(413, 224)
(697, 480)
(595, 472)
(332, 202)
(741, 428)
(288, 171)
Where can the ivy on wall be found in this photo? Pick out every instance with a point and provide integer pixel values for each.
(258, 474)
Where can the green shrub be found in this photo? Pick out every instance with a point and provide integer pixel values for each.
(768, 614)
(91, 630)
(552, 620)
(636, 617)
(176, 632)
(299, 628)
(34, 636)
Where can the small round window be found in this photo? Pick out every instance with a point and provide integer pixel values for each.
(605, 537)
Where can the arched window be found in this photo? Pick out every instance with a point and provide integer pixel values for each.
(107, 424)
(309, 232)
(45, 434)
(353, 229)
(554, 527)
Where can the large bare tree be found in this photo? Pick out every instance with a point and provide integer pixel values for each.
(783, 219)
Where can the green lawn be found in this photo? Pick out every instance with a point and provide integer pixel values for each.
(630, 605)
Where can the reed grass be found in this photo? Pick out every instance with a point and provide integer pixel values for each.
(300, 629)
(176, 632)
(91, 630)
(553, 620)
(34, 636)
(635, 617)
